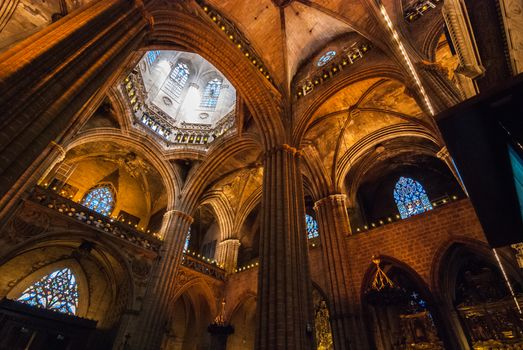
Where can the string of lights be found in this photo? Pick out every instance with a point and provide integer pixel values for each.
(406, 58)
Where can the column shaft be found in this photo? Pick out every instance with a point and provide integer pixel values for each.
(284, 317)
(333, 223)
(442, 92)
(48, 77)
(154, 316)
(227, 254)
(444, 155)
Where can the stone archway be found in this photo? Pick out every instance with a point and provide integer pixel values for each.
(482, 309)
(400, 310)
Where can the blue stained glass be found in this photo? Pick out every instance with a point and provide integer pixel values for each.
(57, 291)
(410, 197)
(100, 199)
(211, 93)
(326, 58)
(151, 56)
(312, 226)
(187, 240)
(416, 304)
(179, 76)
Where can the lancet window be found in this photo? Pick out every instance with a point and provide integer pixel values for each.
(312, 226)
(211, 94)
(151, 56)
(187, 240)
(179, 77)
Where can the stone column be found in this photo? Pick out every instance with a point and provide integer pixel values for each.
(153, 318)
(462, 37)
(47, 78)
(39, 170)
(333, 224)
(512, 13)
(284, 317)
(442, 92)
(444, 155)
(227, 254)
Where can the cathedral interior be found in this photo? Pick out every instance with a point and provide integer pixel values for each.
(269, 174)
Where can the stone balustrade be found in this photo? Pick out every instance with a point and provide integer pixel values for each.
(97, 221)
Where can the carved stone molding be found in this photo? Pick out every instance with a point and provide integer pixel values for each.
(518, 247)
(512, 14)
(460, 31)
(462, 37)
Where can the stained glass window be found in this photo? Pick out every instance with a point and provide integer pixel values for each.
(410, 197)
(211, 93)
(151, 56)
(187, 240)
(178, 78)
(312, 226)
(100, 199)
(326, 58)
(57, 291)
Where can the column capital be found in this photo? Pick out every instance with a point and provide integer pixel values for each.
(286, 148)
(230, 241)
(60, 149)
(180, 214)
(443, 153)
(333, 198)
(145, 14)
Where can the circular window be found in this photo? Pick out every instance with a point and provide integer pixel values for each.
(326, 58)
(204, 115)
(167, 101)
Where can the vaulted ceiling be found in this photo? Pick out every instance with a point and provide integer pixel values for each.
(289, 37)
(287, 33)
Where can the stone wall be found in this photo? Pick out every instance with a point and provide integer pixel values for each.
(418, 242)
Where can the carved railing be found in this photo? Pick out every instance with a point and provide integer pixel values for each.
(339, 62)
(66, 207)
(417, 9)
(204, 267)
(161, 124)
(94, 220)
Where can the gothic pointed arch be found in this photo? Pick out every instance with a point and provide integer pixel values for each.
(211, 93)
(101, 198)
(311, 226)
(178, 78)
(398, 302)
(61, 286)
(410, 197)
(262, 98)
(470, 281)
(57, 291)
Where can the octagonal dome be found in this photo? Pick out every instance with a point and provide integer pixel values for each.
(181, 97)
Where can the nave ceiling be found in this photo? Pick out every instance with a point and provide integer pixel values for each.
(349, 115)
